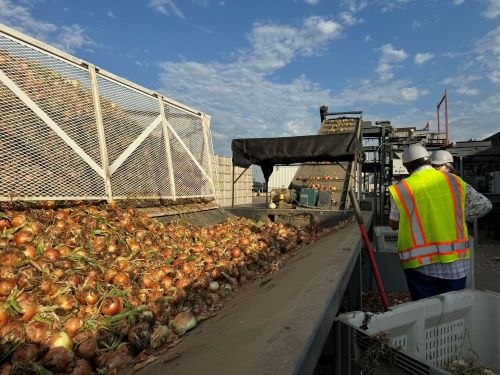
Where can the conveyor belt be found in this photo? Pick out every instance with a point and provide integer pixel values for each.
(277, 325)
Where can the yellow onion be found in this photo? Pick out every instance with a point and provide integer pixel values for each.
(183, 322)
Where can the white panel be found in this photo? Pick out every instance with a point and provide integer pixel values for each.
(282, 176)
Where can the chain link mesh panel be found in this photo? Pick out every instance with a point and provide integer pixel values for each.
(38, 164)
(126, 113)
(35, 161)
(189, 128)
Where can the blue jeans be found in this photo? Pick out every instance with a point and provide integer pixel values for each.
(423, 286)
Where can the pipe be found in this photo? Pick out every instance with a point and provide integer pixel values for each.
(446, 114)
(369, 250)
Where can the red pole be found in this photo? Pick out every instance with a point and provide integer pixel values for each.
(446, 113)
(437, 109)
(369, 250)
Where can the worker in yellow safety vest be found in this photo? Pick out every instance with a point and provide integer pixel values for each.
(428, 208)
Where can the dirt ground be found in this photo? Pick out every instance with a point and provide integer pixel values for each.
(487, 263)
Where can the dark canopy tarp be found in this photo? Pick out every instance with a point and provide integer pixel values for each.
(268, 152)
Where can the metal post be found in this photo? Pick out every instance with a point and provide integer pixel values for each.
(446, 113)
(382, 182)
(375, 187)
(439, 125)
(205, 123)
(232, 188)
(100, 132)
(167, 148)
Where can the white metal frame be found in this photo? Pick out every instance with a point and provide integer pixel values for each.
(105, 171)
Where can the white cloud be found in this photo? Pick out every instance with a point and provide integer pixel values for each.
(390, 5)
(458, 2)
(72, 38)
(274, 46)
(368, 92)
(388, 57)
(368, 38)
(68, 38)
(422, 58)
(461, 83)
(110, 14)
(493, 9)
(354, 6)
(410, 94)
(242, 97)
(20, 18)
(469, 91)
(390, 54)
(488, 54)
(349, 19)
(165, 7)
(415, 25)
(312, 2)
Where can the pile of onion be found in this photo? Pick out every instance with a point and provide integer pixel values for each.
(90, 287)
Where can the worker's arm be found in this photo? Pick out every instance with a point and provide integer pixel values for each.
(394, 224)
(394, 216)
(476, 204)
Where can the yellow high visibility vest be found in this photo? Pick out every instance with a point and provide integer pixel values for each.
(432, 225)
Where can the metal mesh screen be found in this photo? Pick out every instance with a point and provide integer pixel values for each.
(189, 128)
(49, 132)
(35, 161)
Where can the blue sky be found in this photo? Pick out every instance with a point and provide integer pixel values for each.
(262, 68)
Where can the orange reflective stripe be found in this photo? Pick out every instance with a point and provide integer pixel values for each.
(434, 243)
(419, 257)
(396, 188)
(416, 210)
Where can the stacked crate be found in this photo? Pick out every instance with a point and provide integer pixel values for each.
(223, 168)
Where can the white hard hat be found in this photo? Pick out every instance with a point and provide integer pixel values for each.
(414, 152)
(440, 157)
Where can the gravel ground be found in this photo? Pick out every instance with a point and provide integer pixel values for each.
(487, 267)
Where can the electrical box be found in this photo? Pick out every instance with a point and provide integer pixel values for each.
(324, 199)
(308, 197)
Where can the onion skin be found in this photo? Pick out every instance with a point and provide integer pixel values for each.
(140, 335)
(29, 307)
(183, 322)
(12, 332)
(38, 332)
(61, 339)
(22, 237)
(87, 349)
(118, 360)
(18, 220)
(4, 224)
(26, 353)
(4, 316)
(159, 336)
(6, 286)
(72, 325)
(81, 367)
(57, 359)
(111, 306)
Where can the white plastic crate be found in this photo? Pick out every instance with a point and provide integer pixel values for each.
(441, 329)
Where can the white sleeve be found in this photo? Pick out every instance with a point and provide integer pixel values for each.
(476, 204)
(394, 213)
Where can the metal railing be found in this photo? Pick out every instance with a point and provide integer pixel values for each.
(69, 130)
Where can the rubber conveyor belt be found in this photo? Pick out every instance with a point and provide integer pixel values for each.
(277, 325)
